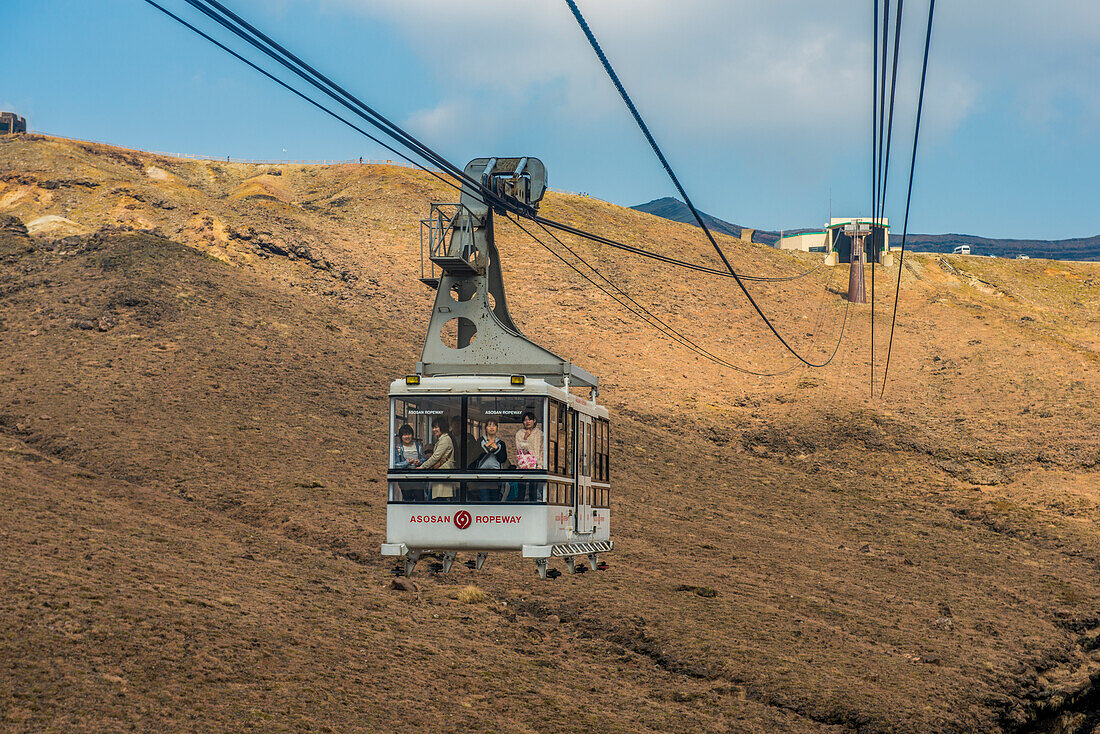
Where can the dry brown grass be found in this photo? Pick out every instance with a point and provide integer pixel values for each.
(192, 455)
(472, 595)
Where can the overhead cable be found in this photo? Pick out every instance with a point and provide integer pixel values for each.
(879, 209)
(297, 93)
(668, 169)
(633, 306)
(244, 30)
(718, 360)
(276, 51)
(543, 221)
(909, 192)
(296, 65)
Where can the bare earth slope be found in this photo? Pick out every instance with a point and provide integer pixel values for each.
(193, 364)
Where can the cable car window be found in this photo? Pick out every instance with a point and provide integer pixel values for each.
(591, 448)
(425, 490)
(505, 433)
(598, 469)
(552, 412)
(602, 497)
(585, 447)
(558, 432)
(603, 451)
(560, 494)
(419, 425)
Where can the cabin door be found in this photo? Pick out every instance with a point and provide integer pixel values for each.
(585, 437)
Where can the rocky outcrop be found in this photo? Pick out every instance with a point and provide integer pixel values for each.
(14, 238)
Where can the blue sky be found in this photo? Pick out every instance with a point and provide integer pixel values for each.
(762, 107)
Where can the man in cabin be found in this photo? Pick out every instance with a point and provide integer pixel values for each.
(468, 442)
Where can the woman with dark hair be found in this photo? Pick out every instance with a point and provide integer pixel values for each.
(442, 458)
(528, 452)
(529, 443)
(408, 452)
(493, 458)
(494, 454)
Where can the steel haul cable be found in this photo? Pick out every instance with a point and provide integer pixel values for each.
(909, 192)
(642, 312)
(543, 221)
(718, 360)
(273, 50)
(879, 209)
(294, 91)
(279, 54)
(289, 60)
(879, 194)
(654, 320)
(668, 169)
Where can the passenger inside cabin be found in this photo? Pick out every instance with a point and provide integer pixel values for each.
(529, 444)
(408, 452)
(468, 441)
(528, 453)
(442, 458)
(492, 454)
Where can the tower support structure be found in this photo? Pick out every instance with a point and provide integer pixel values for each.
(471, 330)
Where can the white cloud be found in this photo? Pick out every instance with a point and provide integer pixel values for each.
(701, 68)
(776, 87)
(440, 120)
(1042, 58)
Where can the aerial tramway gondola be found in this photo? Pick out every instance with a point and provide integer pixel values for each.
(493, 444)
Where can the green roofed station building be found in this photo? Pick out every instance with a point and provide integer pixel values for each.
(838, 244)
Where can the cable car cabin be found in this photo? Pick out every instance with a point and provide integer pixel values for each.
(489, 450)
(496, 463)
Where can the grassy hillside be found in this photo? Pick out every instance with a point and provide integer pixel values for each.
(193, 366)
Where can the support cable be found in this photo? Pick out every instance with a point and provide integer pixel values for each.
(633, 306)
(544, 222)
(288, 60)
(668, 169)
(297, 93)
(317, 79)
(874, 112)
(877, 204)
(258, 39)
(723, 361)
(347, 98)
(909, 192)
(885, 172)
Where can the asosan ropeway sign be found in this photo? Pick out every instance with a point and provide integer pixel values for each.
(463, 519)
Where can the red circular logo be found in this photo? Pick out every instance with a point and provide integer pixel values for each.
(463, 519)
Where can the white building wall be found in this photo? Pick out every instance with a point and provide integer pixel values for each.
(802, 242)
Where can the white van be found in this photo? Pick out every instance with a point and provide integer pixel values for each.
(961, 250)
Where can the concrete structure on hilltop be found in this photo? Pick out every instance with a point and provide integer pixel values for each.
(838, 243)
(12, 123)
(804, 241)
(835, 240)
